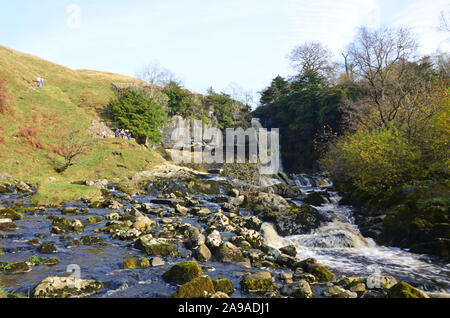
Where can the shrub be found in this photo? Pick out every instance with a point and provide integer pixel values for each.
(142, 115)
(374, 160)
(30, 135)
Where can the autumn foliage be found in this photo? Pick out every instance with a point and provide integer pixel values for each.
(30, 135)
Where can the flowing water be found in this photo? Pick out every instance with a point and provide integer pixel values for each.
(340, 246)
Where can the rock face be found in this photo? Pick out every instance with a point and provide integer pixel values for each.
(64, 287)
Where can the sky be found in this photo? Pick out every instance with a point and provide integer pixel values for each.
(206, 43)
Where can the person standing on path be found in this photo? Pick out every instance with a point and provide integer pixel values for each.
(39, 81)
(42, 82)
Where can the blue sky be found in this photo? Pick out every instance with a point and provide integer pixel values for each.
(205, 42)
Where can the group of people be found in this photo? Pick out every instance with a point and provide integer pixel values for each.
(40, 82)
(123, 133)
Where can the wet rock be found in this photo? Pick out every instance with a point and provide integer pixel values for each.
(92, 240)
(70, 211)
(254, 223)
(126, 234)
(315, 198)
(129, 263)
(23, 187)
(48, 248)
(258, 283)
(182, 273)
(380, 282)
(143, 224)
(338, 292)
(196, 240)
(203, 254)
(61, 225)
(157, 262)
(156, 247)
(311, 266)
(241, 242)
(214, 240)
(202, 212)
(200, 287)
(220, 222)
(255, 256)
(114, 216)
(289, 250)
(65, 287)
(255, 238)
(7, 225)
(181, 209)
(287, 277)
(224, 285)
(299, 274)
(229, 253)
(299, 289)
(16, 268)
(94, 219)
(10, 214)
(286, 261)
(405, 290)
(297, 220)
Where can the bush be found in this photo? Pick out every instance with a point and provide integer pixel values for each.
(179, 100)
(141, 114)
(374, 160)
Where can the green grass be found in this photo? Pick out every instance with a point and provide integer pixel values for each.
(69, 101)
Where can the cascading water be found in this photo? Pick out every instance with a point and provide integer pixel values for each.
(339, 245)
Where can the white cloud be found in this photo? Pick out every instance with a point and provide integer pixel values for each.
(422, 17)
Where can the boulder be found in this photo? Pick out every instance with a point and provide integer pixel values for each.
(299, 289)
(199, 287)
(155, 247)
(229, 253)
(405, 290)
(258, 283)
(224, 285)
(183, 272)
(64, 287)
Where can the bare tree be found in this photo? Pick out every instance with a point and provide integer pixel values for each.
(155, 74)
(313, 57)
(72, 145)
(397, 89)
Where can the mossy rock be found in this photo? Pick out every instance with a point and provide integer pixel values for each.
(405, 290)
(315, 199)
(10, 226)
(92, 240)
(209, 187)
(16, 268)
(10, 214)
(322, 273)
(183, 272)
(94, 219)
(289, 250)
(144, 263)
(129, 263)
(48, 248)
(199, 287)
(258, 283)
(224, 285)
(155, 247)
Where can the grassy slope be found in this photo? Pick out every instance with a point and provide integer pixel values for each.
(69, 100)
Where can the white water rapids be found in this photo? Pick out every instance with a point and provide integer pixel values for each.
(340, 246)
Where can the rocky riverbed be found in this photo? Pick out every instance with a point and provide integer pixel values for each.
(190, 234)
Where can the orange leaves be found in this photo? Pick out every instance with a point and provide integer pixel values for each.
(30, 135)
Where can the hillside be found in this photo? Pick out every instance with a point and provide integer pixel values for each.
(69, 101)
